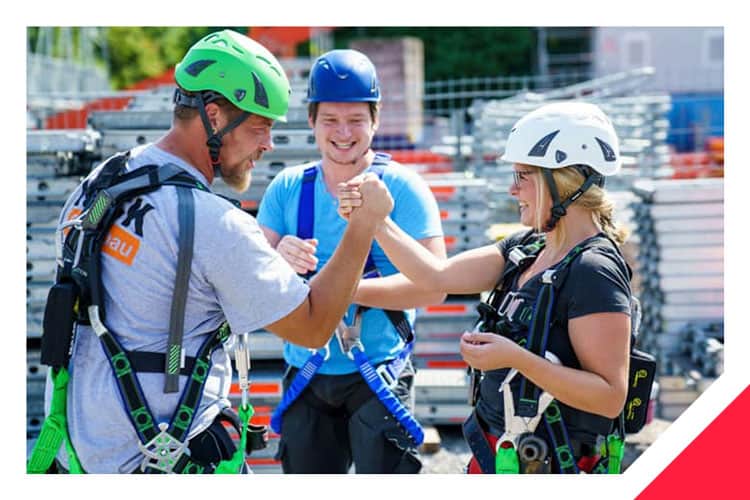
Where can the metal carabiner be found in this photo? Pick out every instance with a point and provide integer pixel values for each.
(349, 336)
(76, 224)
(242, 362)
(326, 348)
(516, 425)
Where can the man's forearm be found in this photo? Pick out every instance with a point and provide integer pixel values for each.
(332, 289)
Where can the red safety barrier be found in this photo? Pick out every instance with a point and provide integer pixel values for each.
(698, 164)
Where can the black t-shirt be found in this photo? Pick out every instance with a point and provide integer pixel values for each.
(597, 281)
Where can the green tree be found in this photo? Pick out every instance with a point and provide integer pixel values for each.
(144, 52)
(460, 52)
(133, 53)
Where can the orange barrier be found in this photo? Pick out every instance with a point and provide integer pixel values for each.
(76, 118)
(707, 163)
(696, 165)
(715, 144)
(417, 156)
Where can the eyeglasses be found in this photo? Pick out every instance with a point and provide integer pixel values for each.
(520, 175)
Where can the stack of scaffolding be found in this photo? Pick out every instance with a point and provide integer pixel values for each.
(53, 159)
(692, 369)
(441, 384)
(681, 259)
(462, 200)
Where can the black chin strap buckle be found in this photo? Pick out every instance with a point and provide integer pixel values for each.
(214, 144)
(558, 211)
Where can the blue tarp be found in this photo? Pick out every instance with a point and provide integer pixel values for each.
(694, 118)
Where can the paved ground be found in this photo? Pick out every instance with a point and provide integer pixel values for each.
(454, 453)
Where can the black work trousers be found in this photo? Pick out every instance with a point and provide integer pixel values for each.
(338, 421)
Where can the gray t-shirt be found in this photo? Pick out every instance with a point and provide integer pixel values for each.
(235, 276)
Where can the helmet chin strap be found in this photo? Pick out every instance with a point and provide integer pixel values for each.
(559, 208)
(214, 138)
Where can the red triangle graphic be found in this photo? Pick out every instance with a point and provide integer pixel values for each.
(714, 464)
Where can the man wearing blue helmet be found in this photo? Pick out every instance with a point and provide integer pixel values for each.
(349, 402)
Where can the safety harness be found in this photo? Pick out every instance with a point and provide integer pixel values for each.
(78, 297)
(522, 451)
(380, 379)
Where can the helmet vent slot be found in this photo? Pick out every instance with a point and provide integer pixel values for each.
(270, 64)
(540, 148)
(197, 67)
(609, 153)
(261, 97)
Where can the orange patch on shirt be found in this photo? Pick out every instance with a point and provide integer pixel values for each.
(75, 212)
(121, 245)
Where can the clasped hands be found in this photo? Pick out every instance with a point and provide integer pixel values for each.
(362, 199)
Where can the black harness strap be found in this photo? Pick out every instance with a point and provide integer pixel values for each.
(137, 408)
(186, 214)
(164, 446)
(480, 448)
(153, 362)
(542, 319)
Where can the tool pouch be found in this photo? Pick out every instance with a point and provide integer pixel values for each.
(59, 324)
(640, 381)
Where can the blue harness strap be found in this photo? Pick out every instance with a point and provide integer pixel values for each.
(387, 373)
(386, 396)
(300, 382)
(306, 210)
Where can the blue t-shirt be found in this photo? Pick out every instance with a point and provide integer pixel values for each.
(415, 211)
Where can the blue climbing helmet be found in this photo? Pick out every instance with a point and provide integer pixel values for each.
(343, 75)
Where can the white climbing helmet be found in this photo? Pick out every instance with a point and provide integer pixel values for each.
(562, 134)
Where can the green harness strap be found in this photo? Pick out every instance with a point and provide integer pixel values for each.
(54, 430)
(234, 464)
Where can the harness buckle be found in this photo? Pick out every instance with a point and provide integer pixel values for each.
(516, 255)
(349, 336)
(385, 373)
(548, 276)
(163, 452)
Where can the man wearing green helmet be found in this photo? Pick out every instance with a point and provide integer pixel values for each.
(355, 410)
(230, 91)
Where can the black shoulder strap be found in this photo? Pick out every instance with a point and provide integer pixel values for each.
(543, 315)
(186, 216)
(105, 195)
(519, 258)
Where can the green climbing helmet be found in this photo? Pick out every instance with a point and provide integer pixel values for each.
(238, 68)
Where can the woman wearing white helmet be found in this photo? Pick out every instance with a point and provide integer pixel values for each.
(561, 154)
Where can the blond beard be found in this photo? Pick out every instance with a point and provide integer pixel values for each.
(238, 183)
